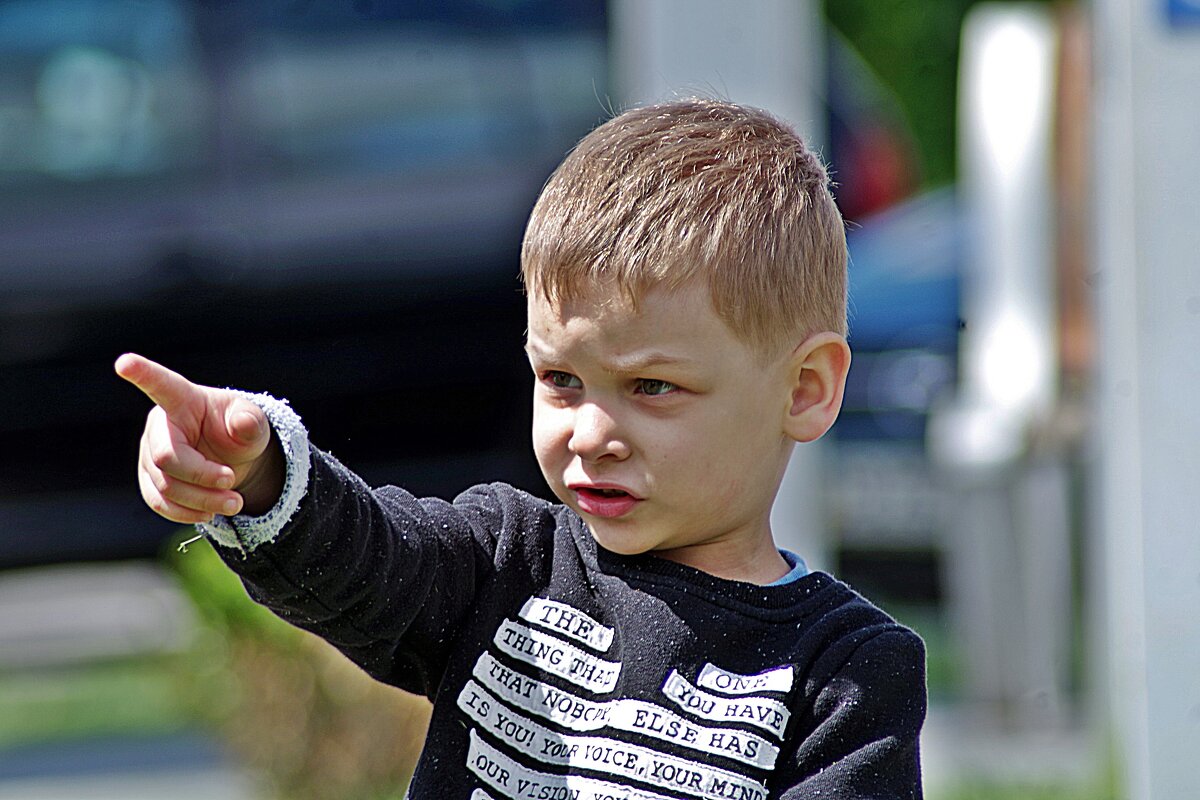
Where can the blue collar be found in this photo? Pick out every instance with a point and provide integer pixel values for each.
(798, 571)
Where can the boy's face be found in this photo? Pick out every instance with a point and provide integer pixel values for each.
(659, 426)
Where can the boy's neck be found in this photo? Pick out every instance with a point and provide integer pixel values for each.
(760, 564)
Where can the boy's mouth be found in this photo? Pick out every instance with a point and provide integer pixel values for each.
(604, 501)
(602, 489)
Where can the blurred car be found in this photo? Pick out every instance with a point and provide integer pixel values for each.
(322, 200)
(886, 505)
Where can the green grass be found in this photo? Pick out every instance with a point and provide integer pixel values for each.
(127, 697)
(146, 694)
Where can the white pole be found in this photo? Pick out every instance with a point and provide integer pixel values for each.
(1147, 258)
(1008, 531)
(764, 53)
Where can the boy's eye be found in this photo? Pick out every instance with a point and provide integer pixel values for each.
(652, 386)
(562, 380)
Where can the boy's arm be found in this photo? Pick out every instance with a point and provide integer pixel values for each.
(865, 724)
(388, 578)
(384, 576)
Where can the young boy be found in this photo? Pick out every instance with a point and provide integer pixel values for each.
(644, 639)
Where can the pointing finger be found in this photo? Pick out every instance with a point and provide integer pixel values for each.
(167, 389)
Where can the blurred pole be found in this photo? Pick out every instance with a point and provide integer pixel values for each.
(1008, 531)
(1147, 241)
(1006, 88)
(764, 53)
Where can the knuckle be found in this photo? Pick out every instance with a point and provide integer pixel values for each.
(155, 500)
(162, 483)
(162, 455)
(196, 475)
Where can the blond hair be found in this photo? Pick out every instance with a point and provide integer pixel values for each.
(696, 189)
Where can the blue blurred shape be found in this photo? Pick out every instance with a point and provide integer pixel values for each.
(1183, 12)
(904, 275)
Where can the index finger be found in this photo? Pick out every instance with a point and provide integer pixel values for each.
(167, 389)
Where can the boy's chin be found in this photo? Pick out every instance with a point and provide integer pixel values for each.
(615, 538)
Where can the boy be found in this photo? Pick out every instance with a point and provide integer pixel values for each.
(644, 639)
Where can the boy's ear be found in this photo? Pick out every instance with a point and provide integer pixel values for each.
(818, 370)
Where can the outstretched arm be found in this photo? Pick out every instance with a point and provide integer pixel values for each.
(388, 578)
(204, 450)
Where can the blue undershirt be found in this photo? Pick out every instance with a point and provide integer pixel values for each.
(798, 571)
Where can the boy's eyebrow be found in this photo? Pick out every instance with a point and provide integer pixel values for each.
(634, 363)
(640, 362)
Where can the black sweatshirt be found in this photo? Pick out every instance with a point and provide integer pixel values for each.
(558, 669)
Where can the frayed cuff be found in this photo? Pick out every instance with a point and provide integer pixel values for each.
(243, 532)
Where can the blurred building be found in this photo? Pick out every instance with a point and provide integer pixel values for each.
(325, 200)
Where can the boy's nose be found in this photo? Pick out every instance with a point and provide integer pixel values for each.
(596, 435)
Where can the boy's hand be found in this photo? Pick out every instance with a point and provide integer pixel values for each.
(205, 450)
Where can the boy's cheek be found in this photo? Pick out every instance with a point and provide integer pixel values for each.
(550, 433)
(548, 458)
(542, 443)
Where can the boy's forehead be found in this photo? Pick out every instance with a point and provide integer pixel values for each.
(593, 303)
(610, 307)
(677, 319)
(553, 324)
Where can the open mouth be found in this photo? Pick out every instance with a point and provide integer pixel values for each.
(608, 492)
(604, 501)
(605, 492)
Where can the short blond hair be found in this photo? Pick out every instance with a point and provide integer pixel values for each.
(696, 189)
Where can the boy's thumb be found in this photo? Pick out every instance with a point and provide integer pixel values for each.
(246, 423)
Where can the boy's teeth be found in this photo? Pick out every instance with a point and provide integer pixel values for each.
(610, 492)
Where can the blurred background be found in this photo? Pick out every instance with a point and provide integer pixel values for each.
(324, 199)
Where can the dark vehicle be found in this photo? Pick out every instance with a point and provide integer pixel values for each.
(884, 499)
(324, 200)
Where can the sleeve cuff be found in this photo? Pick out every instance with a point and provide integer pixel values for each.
(245, 533)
